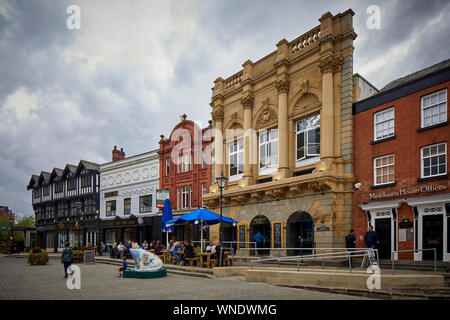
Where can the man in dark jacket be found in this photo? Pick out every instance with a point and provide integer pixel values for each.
(350, 240)
(371, 238)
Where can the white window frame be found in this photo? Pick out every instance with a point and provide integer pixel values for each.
(145, 209)
(388, 121)
(432, 107)
(422, 159)
(307, 158)
(185, 162)
(184, 197)
(204, 159)
(236, 153)
(383, 166)
(204, 188)
(267, 140)
(167, 166)
(178, 198)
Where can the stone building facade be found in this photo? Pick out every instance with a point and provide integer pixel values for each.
(283, 137)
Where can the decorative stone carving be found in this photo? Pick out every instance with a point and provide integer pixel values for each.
(282, 85)
(266, 116)
(247, 101)
(217, 114)
(305, 101)
(331, 64)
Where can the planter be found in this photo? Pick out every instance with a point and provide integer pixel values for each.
(37, 258)
(78, 256)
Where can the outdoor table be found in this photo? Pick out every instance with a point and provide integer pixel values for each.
(204, 258)
(164, 253)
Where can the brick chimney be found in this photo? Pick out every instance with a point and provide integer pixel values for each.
(118, 155)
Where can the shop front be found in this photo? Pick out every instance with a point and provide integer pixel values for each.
(416, 224)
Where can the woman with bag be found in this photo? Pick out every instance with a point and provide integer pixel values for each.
(67, 257)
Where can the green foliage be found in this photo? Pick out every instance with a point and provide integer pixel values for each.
(77, 256)
(76, 248)
(37, 256)
(36, 250)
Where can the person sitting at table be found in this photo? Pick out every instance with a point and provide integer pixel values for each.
(211, 247)
(144, 245)
(177, 248)
(158, 248)
(121, 248)
(217, 251)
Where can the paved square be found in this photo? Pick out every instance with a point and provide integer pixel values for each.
(19, 280)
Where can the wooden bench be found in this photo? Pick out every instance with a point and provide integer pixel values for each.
(213, 263)
(192, 260)
(227, 261)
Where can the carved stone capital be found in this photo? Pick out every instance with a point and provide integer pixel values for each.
(247, 102)
(282, 85)
(217, 114)
(331, 64)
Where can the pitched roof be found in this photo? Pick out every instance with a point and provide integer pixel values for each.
(45, 176)
(89, 165)
(33, 181)
(417, 75)
(56, 172)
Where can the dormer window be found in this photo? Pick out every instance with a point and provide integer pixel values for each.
(46, 190)
(71, 184)
(86, 181)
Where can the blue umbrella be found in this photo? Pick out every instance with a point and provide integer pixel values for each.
(200, 215)
(166, 216)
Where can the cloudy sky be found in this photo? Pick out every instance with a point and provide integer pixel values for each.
(134, 66)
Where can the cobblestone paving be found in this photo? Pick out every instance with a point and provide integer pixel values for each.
(18, 280)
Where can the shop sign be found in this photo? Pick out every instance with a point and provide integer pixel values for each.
(323, 228)
(161, 196)
(405, 224)
(406, 192)
(111, 194)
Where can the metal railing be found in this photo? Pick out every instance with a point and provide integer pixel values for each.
(240, 243)
(347, 253)
(414, 250)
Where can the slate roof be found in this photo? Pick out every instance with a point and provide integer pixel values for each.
(417, 75)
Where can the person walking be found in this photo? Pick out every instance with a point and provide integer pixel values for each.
(371, 239)
(66, 257)
(259, 238)
(350, 242)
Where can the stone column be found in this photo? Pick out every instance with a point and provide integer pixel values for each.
(217, 116)
(327, 113)
(247, 104)
(283, 138)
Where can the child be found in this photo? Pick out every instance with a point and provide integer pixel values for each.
(124, 266)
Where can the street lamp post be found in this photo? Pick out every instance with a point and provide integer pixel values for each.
(221, 181)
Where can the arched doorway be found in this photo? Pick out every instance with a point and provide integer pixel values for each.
(300, 233)
(262, 225)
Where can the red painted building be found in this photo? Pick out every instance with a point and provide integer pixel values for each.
(185, 170)
(402, 189)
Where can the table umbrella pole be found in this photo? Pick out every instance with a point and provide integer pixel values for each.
(201, 240)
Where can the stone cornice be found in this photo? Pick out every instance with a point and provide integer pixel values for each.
(331, 64)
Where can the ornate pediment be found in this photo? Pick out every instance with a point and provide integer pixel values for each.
(306, 100)
(266, 116)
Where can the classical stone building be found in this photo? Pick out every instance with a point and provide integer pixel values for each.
(283, 137)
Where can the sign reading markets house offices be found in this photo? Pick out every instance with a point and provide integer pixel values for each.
(407, 192)
(161, 196)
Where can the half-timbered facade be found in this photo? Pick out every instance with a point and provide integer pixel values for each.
(66, 203)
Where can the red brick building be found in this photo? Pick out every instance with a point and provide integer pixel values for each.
(402, 189)
(185, 170)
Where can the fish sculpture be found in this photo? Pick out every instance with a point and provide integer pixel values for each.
(144, 260)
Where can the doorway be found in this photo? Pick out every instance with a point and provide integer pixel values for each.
(300, 233)
(262, 225)
(433, 232)
(383, 229)
(229, 236)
